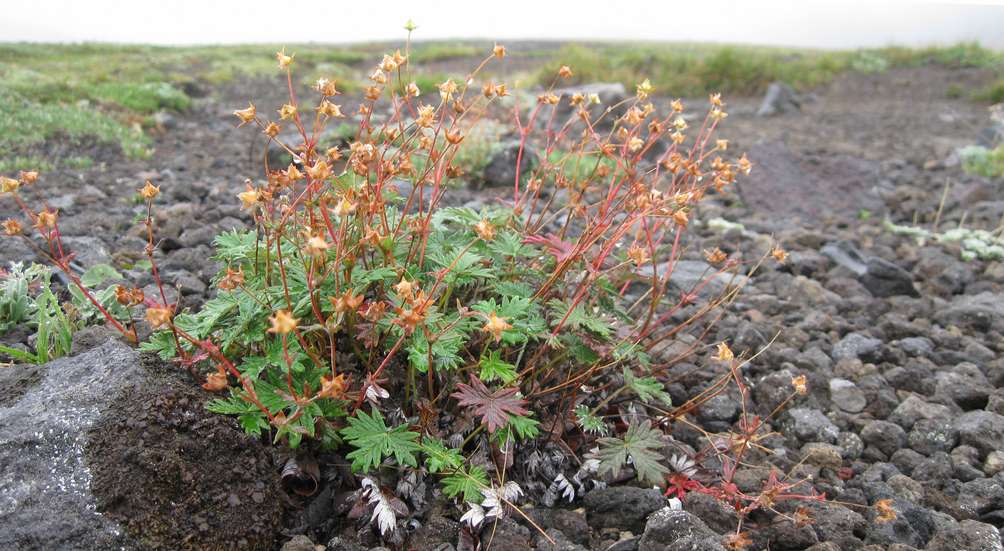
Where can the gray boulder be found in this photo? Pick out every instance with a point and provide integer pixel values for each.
(624, 507)
(45, 498)
(881, 277)
(676, 530)
(779, 99)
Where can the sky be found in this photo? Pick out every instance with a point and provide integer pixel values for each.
(804, 23)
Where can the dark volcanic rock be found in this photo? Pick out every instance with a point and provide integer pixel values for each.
(675, 530)
(501, 167)
(624, 507)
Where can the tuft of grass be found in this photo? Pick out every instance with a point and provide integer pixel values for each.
(993, 93)
(984, 162)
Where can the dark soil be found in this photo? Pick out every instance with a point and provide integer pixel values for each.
(164, 468)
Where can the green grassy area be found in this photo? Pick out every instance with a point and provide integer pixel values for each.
(109, 91)
(698, 69)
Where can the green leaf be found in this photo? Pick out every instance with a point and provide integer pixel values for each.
(647, 388)
(98, 274)
(374, 441)
(590, 423)
(494, 368)
(640, 445)
(440, 458)
(580, 317)
(467, 483)
(234, 247)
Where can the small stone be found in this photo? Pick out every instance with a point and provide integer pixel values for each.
(622, 506)
(994, 463)
(299, 543)
(847, 396)
(887, 437)
(810, 425)
(982, 430)
(857, 346)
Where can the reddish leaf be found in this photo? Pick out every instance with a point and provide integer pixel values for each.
(554, 245)
(494, 408)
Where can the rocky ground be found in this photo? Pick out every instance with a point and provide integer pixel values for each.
(900, 342)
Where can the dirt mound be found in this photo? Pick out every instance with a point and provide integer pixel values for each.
(178, 477)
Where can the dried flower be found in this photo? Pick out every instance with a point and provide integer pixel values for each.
(326, 87)
(485, 229)
(45, 219)
(232, 280)
(9, 185)
(12, 227)
(271, 130)
(284, 60)
(496, 326)
(722, 145)
(779, 254)
(344, 208)
(637, 255)
(246, 115)
(29, 176)
(405, 288)
(159, 316)
(884, 511)
(447, 89)
(715, 256)
(282, 322)
(332, 387)
(801, 387)
(565, 71)
(287, 111)
(216, 382)
(346, 302)
(724, 353)
(329, 109)
(149, 191)
(644, 89)
(412, 90)
(498, 51)
(316, 246)
(319, 170)
(249, 197)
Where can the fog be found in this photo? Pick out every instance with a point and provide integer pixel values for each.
(806, 23)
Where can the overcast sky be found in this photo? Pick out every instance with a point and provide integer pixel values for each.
(813, 23)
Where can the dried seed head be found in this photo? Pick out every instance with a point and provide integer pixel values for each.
(159, 316)
(45, 220)
(724, 353)
(246, 115)
(884, 511)
(284, 60)
(779, 254)
(287, 111)
(495, 326)
(12, 227)
(249, 197)
(565, 71)
(413, 90)
(326, 87)
(271, 130)
(637, 254)
(485, 229)
(282, 322)
(329, 109)
(332, 386)
(677, 105)
(29, 176)
(320, 170)
(722, 145)
(149, 191)
(800, 384)
(498, 51)
(316, 246)
(9, 185)
(644, 89)
(216, 382)
(447, 89)
(715, 256)
(232, 279)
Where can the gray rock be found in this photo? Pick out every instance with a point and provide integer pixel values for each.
(847, 396)
(880, 277)
(982, 430)
(779, 99)
(837, 524)
(884, 435)
(965, 385)
(45, 499)
(561, 542)
(88, 251)
(299, 543)
(501, 167)
(915, 408)
(811, 425)
(624, 507)
(916, 346)
(857, 346)
(822, 455)
(339, 543)
(982, 496)
(981, 312)
(933, 435)
(675, 530)
(970, 535)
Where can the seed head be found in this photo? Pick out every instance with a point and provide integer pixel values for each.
(715, 256)
(284, 60)
(45, 220)
(884, 511)
(29, 176)
(413, 90)
(344, 208)
(320, 170)
(635, 144)
(316, 246)
(232, 279)
(800, 384)
(677, 105)
(346, 302)
(249, 197)
(215, 382)
(12, 227)
(724, 353)
(426, 116)
(779, 254)
(292, 173)
(329, 109)
(326, 87)
(149, 191)
(495, 326)
(405, 288)
(287, 111)
(716, 100)
(447, 89)
(282, 322)
(644, 89)
(159, 316)
(272, 130)
(485, 229)
(332, 386)
(9, 185)
(680, 217)
(637, 255)
(722, 145)
(388, 63)
(565, 71)
(498, 51)
(246, 115)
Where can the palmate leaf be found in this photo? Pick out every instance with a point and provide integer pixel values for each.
(440, 458)
(647, 388)
(580, 317)
(640, 445)
(467, 483)
(374, 441)
(494, 408)
(493, 367)
(589, 422)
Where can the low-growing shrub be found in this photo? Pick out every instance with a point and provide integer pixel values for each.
(363, 312)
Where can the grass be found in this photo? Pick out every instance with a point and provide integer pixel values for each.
(696, 69)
